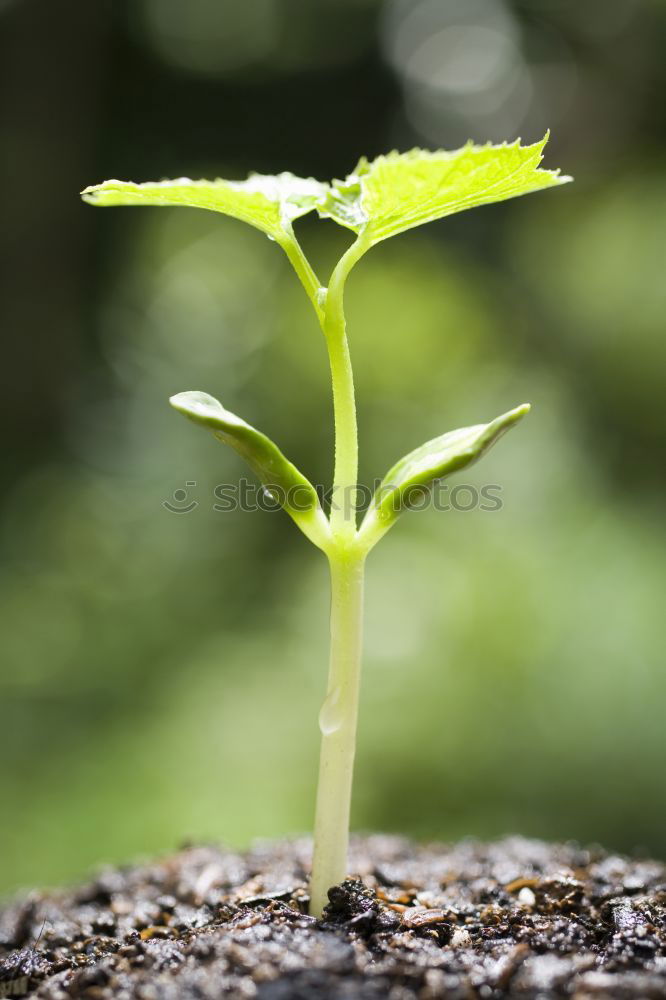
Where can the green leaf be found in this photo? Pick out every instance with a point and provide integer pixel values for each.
(269, 203)
(286, 485)
(402, 190)
(404, 484)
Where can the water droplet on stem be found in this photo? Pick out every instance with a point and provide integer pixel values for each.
(331, 714)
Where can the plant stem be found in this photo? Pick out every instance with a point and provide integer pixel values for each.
(339, 713)
(337, 721)
(304, 271)
(345, 477)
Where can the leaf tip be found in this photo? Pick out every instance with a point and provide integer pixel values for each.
(89, 194)
(514, 415)
(178, 400)
(198, 406)
(98, 194)
(502, 423)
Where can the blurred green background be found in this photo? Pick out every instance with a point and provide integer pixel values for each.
(162, 672)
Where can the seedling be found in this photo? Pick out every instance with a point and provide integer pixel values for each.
(378, 200)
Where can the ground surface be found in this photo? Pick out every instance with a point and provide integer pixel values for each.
(515, 918)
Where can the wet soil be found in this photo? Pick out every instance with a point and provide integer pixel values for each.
(515, 918)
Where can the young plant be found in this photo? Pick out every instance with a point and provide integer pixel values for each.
(378, 200)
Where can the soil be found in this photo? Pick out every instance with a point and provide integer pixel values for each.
(516, 918)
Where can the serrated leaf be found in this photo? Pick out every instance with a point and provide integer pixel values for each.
(281, 479)
(270, 203)
(402, 190)
(404, 484)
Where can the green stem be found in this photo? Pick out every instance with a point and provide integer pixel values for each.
(337, 721)
(345, 476)
(305, 272)
(339, 714)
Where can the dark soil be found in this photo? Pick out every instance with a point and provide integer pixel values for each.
(516, 918)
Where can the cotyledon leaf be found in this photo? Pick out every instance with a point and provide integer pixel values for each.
(404, 484)
(271, 203)
(398, 191)
(282, 480)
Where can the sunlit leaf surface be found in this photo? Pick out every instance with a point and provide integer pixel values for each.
(401, 190)
(270, 203)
